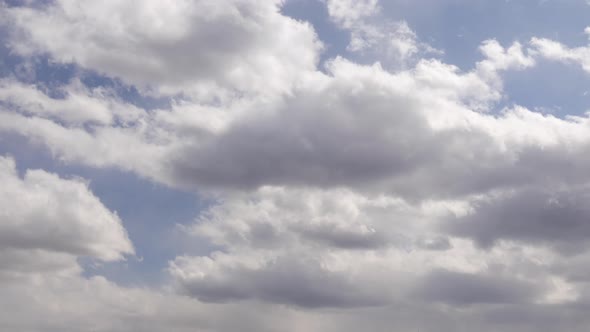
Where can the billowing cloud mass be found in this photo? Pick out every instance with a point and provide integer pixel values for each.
(171, 47)
(378, 184)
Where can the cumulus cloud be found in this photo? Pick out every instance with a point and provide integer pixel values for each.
(42, 211)
(290, 279)
(188, 45)
(267, 253)
(96, 304)
(556, 51)
(552, 216)
(394, 42)
(275, 217)
(47, 224)
(272, 216)
(73, 303)
(418, 136)
(420, 133)
(463, 289)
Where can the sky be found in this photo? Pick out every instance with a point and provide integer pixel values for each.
(294, 165)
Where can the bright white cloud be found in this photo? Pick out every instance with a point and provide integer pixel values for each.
(197, 46)
(43, 214)
(556, 51)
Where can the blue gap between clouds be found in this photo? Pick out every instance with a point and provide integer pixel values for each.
(551, 88)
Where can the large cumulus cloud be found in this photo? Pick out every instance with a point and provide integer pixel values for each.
(170, 47)
(413, 132)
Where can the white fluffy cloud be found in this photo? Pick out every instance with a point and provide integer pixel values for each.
(556, 51)
(47, 223)
(317, 248)
(197, 46)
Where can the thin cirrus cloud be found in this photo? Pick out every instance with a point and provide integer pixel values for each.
(380, 188)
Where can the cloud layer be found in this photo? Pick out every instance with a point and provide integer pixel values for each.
(382, 188)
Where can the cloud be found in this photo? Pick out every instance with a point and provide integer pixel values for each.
(398, 194)
(551, 216)
(270, 250)
(41, 211)
(271, 218)
(74, 303)
(274, 217)
(96, 304)
(291, 279)
(414, 134)
(464, 289)
(79, 105)
(316, 136)
(393, 42)
(190, 45)
(420, 133)
(556, 51)
(349, 13)
(47, 224)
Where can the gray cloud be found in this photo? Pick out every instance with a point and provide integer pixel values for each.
(372, 134)
(288, 280)
(278, 217)
(465, 289)
(555, 217)
(331, 236)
